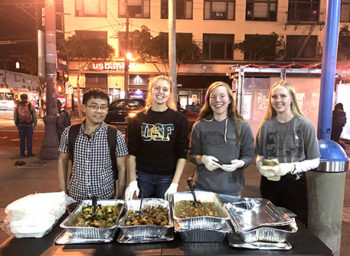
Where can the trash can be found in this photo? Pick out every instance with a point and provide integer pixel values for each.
(326, 186)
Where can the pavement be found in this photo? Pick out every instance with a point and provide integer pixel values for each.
(39, 175)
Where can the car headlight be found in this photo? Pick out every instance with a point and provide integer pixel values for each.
(132, 114)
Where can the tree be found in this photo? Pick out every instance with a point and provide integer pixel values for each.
(344, 43)
(262, 47)
(150, 49)
(83, 51)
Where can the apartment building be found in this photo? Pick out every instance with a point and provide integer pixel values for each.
(214, 25)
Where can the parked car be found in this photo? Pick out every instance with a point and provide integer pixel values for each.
(120, 110)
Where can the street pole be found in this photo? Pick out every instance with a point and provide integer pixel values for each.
(126, 60)
(326, 183)
(49, 148)
(172, 44)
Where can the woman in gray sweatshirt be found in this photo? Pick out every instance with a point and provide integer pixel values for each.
(222, 144)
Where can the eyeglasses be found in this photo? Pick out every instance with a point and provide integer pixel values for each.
(96, 107)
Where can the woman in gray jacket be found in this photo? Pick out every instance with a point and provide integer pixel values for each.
(222, 144)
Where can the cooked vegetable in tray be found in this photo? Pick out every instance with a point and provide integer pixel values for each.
(186, 209)
(149, 215)
(104, 217)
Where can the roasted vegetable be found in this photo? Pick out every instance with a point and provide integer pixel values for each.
(150, 215)
(105, 216)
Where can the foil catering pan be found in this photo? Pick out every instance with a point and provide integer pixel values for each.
(90, 232)
(201, 222)
(203, 235)
(257, 219)
(149, 231)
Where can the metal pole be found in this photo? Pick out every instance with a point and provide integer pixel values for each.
(49, 148)
(172, 44)
(326, 183)
(126, 60)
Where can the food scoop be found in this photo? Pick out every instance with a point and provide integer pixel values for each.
(195, 202)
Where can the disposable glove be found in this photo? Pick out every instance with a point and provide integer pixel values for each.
(285, 168)
(131, 189)
(266, 171)
(170, 191)
(210, 162)
(235, 164)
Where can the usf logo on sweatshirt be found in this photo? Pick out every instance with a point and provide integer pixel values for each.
(156, 132)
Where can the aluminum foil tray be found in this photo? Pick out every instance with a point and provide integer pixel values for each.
(250, 213)
(123, 239)
(203, 235)
(67, 238)
(90, 232)
(202, 222)
(149, 231)
(257, 219)
(235, 241)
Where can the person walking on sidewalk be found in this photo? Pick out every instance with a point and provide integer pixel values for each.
(25, 120)
(158, 142)
(287, 136)
(92, 168)
(222, 144)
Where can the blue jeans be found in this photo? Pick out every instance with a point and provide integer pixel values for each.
(153, 185)
(25, 132)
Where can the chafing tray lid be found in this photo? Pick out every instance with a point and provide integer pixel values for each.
(250, 213)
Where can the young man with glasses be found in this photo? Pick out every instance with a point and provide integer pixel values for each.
(92, 171)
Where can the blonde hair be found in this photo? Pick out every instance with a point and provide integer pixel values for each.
(270, 112)
(170, 103)
(232, 112)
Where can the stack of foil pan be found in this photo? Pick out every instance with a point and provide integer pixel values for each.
(202, 228)
(145, 231)
(86, 233)
(257, 219)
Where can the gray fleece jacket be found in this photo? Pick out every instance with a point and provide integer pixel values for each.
(219, 139)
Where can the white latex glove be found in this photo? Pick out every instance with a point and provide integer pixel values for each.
(266, 171)
(170, 191)
(285, 168)
(210, 162)
(235, 164)
(131, 189)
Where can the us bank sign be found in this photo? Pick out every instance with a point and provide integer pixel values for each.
(112, 66)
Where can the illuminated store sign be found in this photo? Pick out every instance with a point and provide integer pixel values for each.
(115, 66)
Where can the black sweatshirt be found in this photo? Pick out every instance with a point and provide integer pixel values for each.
(158, 140)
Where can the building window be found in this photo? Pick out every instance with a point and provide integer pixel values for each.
(303, 10)
(345, 11)
(136, 8)
(91, 8)
(219, 9)
(301, 47)
(183, 9)
(218, 47)
(263, 47)
(261, 10)
(96, 81)
(88, 34)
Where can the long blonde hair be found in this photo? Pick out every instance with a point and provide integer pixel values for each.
(170, 103)
(232, 112)
(270, 112)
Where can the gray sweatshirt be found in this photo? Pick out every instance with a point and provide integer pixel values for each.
(219, 139)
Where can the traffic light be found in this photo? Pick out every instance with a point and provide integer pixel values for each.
(60, 88)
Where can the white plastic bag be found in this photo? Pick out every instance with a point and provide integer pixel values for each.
(34, 215)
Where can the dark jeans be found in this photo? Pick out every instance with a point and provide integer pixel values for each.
(25, 133)
(288, 193)
(153, 185)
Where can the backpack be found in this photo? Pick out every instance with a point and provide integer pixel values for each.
(24, 113)
(112, 144)
(63, 121)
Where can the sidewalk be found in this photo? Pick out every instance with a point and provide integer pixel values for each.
(41, 176)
